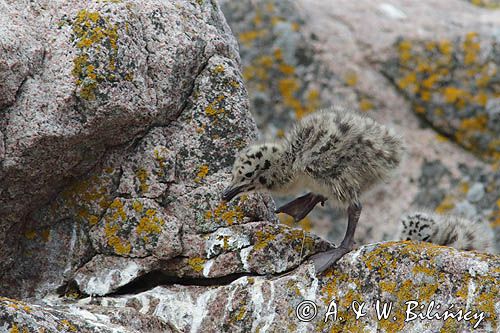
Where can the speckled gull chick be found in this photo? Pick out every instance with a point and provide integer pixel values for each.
(335, 153)
(447, 230)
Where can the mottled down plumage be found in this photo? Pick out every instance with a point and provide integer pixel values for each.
(447, 230)
(340, 154)
(337, 154)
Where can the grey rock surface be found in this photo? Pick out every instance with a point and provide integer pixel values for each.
(119, 121)
(150, 200)
(110, 71)
(392, 273)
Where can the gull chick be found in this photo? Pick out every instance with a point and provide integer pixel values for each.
(334, 153)
(447, 230)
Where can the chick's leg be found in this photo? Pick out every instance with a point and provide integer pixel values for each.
(324, 260)
(300, 207)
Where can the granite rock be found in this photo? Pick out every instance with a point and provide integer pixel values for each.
(150, 202)
(393, 273)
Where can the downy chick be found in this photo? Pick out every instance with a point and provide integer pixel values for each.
(334, 153)
(447, 230)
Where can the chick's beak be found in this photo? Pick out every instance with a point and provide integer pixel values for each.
(231, 192)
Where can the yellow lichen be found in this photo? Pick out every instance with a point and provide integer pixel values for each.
(446, 205)
(478, 123)
(225, 214)
(142, 176)
(263, 240)
(91, 30)
(30, 234)
(149, 224)
(202, 173)
(365, 104)
(196, 264)
(212, 110)
(248, 37)
(218, 69)
(137, 205)
(45, 234)
(66, 325)
(351, 79)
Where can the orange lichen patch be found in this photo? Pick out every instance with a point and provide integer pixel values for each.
(430, 81)
(257, 19)
(478, 123)
(91, 30)
(196, 264)
(45, 234)
(303, 242)
(441, 138)
(419, 109)
(404, 48)
(410, 80)
(463, 187)
(439, 112)
(65, 325)
(149, 224)
(471, 48)
(212, 109)
(425, 95)
(137, 206)
(218, 69)
(86, 198)
(278, 54)
(365, 104)
(202, 173)
(158, 156)
(453, 94)
(248, 37)
(263, 240)
(225, 214)
(481, 98)
(295, 26)
(286, 69)
(351, 79)
(445, 47)
(112, 226)
(120, 247)
(142, 176)
(241, 313)
(280, 133)
(446, 205)
(265, 60)
(287, 88)
(30, 234)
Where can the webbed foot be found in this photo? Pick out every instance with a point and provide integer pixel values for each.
(324, 260)
(300, 207)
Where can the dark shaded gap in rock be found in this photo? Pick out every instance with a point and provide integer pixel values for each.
(158, 278)
(152, 280)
